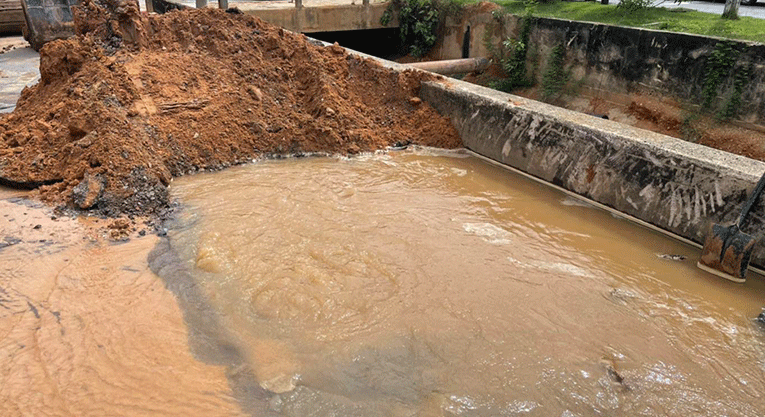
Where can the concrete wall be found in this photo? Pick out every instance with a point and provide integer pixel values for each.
(621, 59)
(324, 18)
(606, 60)
(472, 26)
(675, 185)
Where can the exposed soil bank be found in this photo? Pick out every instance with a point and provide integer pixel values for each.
(663, 115)
(135, 100)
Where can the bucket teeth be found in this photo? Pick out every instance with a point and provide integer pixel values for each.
(727, 252)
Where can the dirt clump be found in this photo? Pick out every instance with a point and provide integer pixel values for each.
(135, 100)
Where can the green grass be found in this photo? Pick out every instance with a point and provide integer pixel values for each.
(674, 20)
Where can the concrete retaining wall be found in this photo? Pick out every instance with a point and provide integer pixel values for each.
(325, 18)
(622, 59)
(605, 60)
(675, 185)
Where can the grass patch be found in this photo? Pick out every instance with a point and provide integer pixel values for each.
(674, 20)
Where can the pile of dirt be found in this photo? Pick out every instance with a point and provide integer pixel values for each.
(135, 100)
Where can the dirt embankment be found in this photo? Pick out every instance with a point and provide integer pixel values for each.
(648, 111)
(135, 100)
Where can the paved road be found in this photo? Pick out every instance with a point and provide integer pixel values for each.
(18, 69)
(757, 10)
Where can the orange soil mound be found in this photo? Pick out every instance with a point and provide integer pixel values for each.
(135, 100)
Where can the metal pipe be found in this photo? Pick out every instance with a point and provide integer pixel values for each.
(223, 4)
(453, 66)
(201, 4)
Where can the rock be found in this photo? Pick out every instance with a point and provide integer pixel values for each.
(336, 48)
(329, 111)
(761, 317)
(400, 145)
(415, 101)
(119, 224)
(86, 141)
(86, 194)
(119, 229)
(255, 93)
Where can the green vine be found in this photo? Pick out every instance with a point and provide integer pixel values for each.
(419, 22)
(740, 80)
(514, 54)
(556, 76)
(718, 67)
(721, 70)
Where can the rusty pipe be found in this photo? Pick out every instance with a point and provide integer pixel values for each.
(453, 66)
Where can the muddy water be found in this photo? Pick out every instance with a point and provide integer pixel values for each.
(426, 283)
(87, 329)
(432, 283)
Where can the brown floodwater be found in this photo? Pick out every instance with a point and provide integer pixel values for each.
(86, 329)
(415, 283)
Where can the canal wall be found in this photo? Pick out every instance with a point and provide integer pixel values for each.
(614, 63)
(677, 186)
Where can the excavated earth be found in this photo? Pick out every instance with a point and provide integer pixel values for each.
(135, 100)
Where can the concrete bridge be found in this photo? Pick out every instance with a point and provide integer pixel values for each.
(308, 16)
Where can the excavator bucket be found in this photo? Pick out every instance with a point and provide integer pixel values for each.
(46, 20)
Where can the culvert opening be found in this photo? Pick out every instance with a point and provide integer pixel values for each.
(383, 43)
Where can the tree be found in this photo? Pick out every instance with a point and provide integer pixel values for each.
(731, 9)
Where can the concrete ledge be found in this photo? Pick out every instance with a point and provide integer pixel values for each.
(675, 185)
(327, 18)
